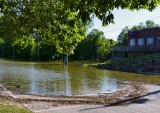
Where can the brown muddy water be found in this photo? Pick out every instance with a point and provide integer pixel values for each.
(57, 79)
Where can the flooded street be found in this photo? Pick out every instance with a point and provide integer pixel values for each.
(57, 79)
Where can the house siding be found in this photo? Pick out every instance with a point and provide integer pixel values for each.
(137, 50)
(144, 33)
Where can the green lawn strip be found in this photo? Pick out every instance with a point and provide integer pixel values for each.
(134, 59)
(7, 106)
(94, 64)
(12, 109)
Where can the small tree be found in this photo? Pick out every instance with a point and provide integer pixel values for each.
(123, 36)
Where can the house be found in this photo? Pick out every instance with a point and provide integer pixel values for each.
(140, 42)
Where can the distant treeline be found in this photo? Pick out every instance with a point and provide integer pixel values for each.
(94, 47)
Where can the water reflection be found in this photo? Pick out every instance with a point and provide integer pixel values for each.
(49, 78)
(147, 78)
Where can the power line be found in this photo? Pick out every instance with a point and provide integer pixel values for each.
(131, 25)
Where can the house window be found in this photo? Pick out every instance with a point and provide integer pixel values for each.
(141, 41)
(132, 33)
(132, 42)
(158, 40)
(149, 41)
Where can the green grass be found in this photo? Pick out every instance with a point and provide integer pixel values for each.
(95, 64)
(134, 59)
(12, 109)
(7, 106)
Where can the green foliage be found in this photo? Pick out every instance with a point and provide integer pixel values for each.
(1, 41)
(150, 24)
(67, 41)
(103, 8)
(50, 20)
(123, 37)
(135, 59)
(25, 42)
(94, 47)
(60, 23)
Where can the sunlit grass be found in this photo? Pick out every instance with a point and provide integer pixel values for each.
(7, 106)
(134, 59)
(12, 109)
(94, 64)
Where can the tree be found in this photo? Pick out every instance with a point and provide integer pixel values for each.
(57, 21)
(50, 20)
(84, 9)
(150, 24)
(103, 8)
(138, 27)
(123, 36)
(94, 47)
(1, 41)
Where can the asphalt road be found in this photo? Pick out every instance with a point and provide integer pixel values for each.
(149, 103)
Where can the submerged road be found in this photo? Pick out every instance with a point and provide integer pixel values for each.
(149, 103)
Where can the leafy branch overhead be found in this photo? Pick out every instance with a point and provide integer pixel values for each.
(49, 19)
(62, 23)
(103, 8)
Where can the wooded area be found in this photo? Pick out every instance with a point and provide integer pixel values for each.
(57, 27)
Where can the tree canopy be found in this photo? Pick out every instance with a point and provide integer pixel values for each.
(94, 47)
(103, 8)
(123, 36)
(59, 22)
(49, 20)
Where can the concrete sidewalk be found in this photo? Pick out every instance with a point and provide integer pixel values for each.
(149, 103)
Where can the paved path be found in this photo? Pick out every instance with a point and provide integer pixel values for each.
(149, 103)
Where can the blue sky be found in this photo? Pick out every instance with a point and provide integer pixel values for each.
(124, 18)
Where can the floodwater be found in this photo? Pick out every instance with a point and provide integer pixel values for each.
(57, 79)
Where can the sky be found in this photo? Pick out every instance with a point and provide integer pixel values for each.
(124, 18)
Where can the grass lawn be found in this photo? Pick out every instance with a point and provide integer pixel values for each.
(7, 106)
(135, 59)
(12, 109)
